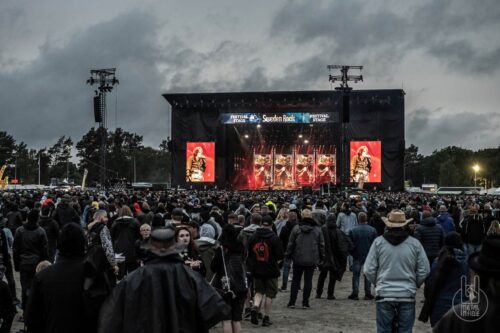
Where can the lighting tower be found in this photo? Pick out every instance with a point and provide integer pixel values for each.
(344, 78)
(106, 80)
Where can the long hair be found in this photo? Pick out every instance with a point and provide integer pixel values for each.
(191, 248)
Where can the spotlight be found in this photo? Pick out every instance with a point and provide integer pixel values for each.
(258, 126)
(311, 125)
(300, 136)
(306, 141)
(246, 136)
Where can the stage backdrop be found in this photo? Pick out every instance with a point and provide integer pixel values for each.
(375, 115)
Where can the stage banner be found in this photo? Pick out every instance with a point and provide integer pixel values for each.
(304, 169)
(366, 162)
(325, 169)
(283, 175)
(262, 170)
(200, 162)
(278, 118)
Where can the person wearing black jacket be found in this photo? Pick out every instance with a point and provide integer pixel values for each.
(284, 237)
(51, 230)
(6, 262)
(166, 286)
(125, 232)
(56, 303)
(228, 263)
(7, 307)
(14, 218)
(264, 252)
(336, 251)
(431, 235)
(65, 213)
(30, 247)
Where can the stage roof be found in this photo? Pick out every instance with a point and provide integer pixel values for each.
(273, 99)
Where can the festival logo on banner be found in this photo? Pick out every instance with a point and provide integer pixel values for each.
(325, 168)
(366, 162)
(304, 169)
(262, 164)
(200, 162)
(283, 171)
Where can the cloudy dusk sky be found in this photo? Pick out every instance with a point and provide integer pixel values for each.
(445, 54)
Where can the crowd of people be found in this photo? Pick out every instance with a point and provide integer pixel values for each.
(184, 261)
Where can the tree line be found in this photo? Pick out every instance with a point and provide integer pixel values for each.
(453, 166)
(123, 150)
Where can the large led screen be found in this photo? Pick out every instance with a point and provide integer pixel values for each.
(366, 162)
(262, 168)
(200, 162)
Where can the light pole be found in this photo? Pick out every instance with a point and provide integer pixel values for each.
(476, 169)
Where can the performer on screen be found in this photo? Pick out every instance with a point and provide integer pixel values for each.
(304, 172)
(282, 174)
(195, 166)
(361, 165)
(326, 169)
(262, 175)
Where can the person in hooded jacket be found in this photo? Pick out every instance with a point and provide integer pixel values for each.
(336, 251)
(264, 251)
(229, 262)
(431, 235)
(445, 220)
(30, 247)
(14, 218)
(207, 246)
(124, 233)
(306, 248)
(165, 294)
(484, 267)
(397, 265)
(51, 230)
(445, 279)
(65, 213)
(56, 303)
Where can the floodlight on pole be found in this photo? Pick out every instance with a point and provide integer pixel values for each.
(476, 169)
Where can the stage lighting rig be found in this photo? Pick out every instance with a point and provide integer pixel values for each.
(105, 79)
(344, 76)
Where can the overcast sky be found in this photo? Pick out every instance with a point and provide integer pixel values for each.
(444, 53)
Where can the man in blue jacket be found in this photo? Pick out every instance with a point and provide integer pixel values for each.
(397, 265)
(444, 220)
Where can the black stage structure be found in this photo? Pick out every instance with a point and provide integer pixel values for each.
(374, 115)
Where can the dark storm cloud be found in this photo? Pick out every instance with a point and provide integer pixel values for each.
(49, 97)
(355, 32)
(431, 129)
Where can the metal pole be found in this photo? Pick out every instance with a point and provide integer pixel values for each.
(67, 170)
(135, 174)
(15, 170)
(39, 167)
(475, 178)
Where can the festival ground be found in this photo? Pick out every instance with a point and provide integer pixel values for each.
(332, 316)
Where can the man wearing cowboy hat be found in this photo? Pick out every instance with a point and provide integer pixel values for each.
(397, 266)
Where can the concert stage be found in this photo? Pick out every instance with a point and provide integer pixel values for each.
(288, 140)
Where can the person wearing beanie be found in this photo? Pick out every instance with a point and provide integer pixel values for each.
(30, 247)
(55, 303)
(444, 279)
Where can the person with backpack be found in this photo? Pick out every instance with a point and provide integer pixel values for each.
(306, 248)
(229, 264)
(264, 251)
(14, 218)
